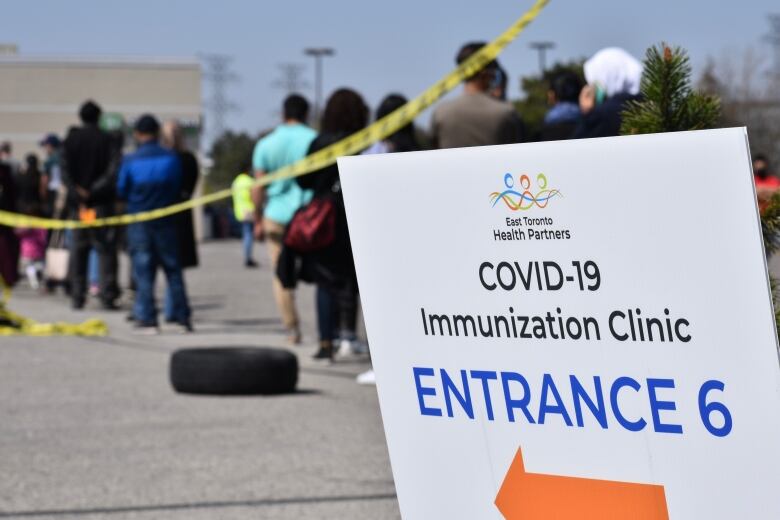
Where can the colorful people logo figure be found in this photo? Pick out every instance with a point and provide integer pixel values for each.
(525, 200)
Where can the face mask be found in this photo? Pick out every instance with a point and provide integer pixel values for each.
(763, 172)
(601, 94)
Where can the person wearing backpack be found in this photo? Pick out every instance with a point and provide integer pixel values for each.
(317, 248)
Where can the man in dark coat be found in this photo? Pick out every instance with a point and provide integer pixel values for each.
(89, 172)
(9, 244)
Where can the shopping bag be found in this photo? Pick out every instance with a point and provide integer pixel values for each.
(57, 258)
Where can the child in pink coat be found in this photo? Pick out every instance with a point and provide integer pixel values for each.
(32, 245)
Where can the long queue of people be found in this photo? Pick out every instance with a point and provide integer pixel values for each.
(303, 220)
(85, 177)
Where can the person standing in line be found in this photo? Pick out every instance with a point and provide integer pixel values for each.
(31, 193)
(55, 198)
(30, 187)
(404, 140)
(564, 114)
(32, 247)
(613, 78)
(150, 179)
(331, 266)
(7, 157)
(244, 211)
(173, 139)
(766, 183)
(52, 172)
(89, 164)
(9, 243)
(276, 203)
(475, 118)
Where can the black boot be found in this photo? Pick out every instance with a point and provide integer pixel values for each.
(325, 351)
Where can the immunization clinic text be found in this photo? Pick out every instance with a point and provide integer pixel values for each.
(572, 400)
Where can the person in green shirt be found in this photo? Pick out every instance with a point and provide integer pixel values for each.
(276, 204)
(244, 210)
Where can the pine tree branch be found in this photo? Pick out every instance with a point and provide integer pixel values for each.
(669, 104)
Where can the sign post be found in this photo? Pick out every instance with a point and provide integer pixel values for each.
(580, 329)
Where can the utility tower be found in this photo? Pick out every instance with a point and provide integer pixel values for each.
(218, 75)
(291, 78)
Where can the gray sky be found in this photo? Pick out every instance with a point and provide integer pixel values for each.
(381, 47)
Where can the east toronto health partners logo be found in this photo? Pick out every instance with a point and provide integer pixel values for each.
(517, 201)
(517, 196)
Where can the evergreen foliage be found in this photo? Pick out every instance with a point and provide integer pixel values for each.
(770, 225)
(669, 104)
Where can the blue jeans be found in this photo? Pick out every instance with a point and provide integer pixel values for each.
(154, 244)
(93, 267)
(327, 314)
(247, 239)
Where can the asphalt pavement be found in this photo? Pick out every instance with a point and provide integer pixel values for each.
(91, 428)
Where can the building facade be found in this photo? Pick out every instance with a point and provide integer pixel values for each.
(42, 94)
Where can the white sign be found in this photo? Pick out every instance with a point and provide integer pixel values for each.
(578, 329)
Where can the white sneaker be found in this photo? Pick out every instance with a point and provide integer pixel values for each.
(366, 378)
(32, 277)
(351, 348)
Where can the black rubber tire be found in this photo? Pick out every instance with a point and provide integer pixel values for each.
(234, 371)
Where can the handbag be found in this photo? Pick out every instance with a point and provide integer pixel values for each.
(313, 227)
(57, 258)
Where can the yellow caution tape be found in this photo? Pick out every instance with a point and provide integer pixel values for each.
(12, 324)
(350, 145)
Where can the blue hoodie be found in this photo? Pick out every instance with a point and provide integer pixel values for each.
(150, 178)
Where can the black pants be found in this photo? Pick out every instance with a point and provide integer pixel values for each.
(105, 243)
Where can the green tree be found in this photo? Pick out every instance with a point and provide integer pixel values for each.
(231, 154)
(669, 104)
(535, 104)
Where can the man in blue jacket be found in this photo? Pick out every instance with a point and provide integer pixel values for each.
(150, 179)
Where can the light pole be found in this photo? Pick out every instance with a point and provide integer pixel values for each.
(318, 53)
(541, 48)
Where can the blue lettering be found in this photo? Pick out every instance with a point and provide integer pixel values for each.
(484, 376)
(464, 399)
(548, 385)
(613, 399)
(629, 413)
(423, 391)
(579, 394)
(511, 403)
(656, 406)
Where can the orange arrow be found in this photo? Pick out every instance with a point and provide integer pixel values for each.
(533, 496)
